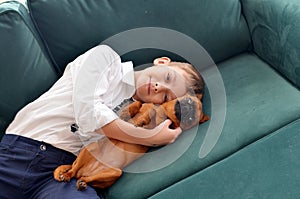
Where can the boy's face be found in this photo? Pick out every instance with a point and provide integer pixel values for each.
(158, 84)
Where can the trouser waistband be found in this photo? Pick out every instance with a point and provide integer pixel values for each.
(37, 146)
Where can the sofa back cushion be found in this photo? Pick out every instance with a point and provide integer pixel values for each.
(69, 28)
(25, 72)
(275, 27)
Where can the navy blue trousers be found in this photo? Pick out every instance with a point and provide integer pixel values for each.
(26, 171)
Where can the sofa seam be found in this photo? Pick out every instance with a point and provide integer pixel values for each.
(251, 46)
(43, 41)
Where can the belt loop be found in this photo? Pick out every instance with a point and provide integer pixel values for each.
(10, 139)
(15, 138)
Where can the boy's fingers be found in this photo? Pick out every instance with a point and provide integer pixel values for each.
(168, 122)
(176, 133)
(179, 130)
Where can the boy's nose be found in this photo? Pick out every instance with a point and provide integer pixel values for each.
(159, 87)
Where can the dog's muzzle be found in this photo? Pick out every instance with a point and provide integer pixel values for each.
(185, 111)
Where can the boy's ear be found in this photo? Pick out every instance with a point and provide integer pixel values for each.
(161, 61)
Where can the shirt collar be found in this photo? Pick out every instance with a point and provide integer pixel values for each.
(128, 73)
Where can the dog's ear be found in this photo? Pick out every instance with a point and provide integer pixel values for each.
(199, 96)
(152, 115)
(204, 118)
(148, 119)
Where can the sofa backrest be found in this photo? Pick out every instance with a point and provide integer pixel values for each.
(25, 72)
(69, 28)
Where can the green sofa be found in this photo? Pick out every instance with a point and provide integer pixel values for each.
(247, 50)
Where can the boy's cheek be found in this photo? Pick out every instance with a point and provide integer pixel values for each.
(140, 95)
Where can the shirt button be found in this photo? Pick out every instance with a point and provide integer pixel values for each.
(43, 147)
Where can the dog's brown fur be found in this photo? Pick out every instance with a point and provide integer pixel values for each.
(99, 163)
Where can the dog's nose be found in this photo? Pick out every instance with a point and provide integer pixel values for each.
(187, 105)
(188, 101)
(185, 110)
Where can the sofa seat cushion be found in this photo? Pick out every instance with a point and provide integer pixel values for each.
(268, 168)
(259, 101)
(25, 71)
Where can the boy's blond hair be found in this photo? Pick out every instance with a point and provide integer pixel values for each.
(195, 82)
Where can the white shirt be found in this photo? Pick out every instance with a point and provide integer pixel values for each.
(91, 86)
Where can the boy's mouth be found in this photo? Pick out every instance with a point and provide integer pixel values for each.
(149, 86)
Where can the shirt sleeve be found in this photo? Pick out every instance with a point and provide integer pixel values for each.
(91, 74)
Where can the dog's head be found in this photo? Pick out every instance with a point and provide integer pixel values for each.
(185, 111)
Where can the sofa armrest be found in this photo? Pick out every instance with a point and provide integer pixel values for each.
(25, 70)
(275, 27)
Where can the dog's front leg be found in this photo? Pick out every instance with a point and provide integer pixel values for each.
(130, 111)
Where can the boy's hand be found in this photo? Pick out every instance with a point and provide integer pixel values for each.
(126, 132)
(163, 134)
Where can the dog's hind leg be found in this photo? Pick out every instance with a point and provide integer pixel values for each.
(103, 179)
(81, 184)
(62, 173)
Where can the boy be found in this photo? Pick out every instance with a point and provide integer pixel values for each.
(77, 110)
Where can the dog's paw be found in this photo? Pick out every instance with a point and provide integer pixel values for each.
(63, 177)
(63, 173)
(81, 185)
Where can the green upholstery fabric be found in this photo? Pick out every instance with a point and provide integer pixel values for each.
(268, 168)
(25, 72)
(259, 101)
(275, 27)
(71, 27)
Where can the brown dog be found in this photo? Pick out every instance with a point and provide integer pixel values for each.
(100, 163)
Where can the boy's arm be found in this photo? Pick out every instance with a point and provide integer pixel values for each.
(90, 77)
(124, 131)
